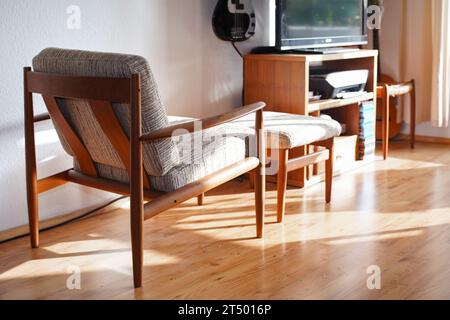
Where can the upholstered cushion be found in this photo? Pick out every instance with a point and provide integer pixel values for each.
(159, 157)
(201, 155)
(400, 89)
(286, 131)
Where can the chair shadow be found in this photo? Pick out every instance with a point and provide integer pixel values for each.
(205, 272)
(200, 264)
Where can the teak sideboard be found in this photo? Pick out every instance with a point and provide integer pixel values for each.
(282, 82)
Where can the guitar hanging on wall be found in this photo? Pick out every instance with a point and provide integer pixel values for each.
(234, 20)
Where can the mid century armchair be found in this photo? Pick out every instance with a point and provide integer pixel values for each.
(108, 115)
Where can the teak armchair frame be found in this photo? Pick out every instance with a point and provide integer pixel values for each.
(101, 93)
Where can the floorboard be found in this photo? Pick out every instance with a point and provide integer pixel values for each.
(393, 214)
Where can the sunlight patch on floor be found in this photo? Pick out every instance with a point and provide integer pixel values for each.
(85, 246)
(401, 164)
(375, 237)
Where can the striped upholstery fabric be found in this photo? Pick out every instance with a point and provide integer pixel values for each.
(203, 153)
(199, 159)
(200, 154)
(287, 131)
(400, 89)
(159, 157)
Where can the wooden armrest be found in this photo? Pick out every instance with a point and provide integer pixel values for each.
(41, 117)
(206, 123)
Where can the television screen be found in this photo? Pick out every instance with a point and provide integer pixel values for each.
(320, 23)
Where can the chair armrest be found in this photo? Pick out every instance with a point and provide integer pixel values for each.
(206, 123)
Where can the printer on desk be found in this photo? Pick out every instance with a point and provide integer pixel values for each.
(338, 84)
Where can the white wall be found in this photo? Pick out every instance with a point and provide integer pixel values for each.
(198, 75)
(391, 56)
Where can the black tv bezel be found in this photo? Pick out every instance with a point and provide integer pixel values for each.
(310, 43)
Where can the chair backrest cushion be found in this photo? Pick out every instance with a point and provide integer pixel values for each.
(158, 157)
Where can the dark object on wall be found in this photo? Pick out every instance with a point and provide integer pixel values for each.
(234, 20)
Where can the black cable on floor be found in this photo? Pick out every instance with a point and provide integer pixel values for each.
(68, 221)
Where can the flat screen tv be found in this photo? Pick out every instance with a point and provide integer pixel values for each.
(309, 24)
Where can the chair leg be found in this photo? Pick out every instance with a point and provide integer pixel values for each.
(386, 106)
(260, 174)
(413, 115)
(201, 199)
(307, 169)
(282, 183)
(316, 165)
(31, 169)
(251, 179)
(329, 170)
(137, 248)
(136, 185)
(33, 213)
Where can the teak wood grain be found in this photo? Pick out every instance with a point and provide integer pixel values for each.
(282, 81)
(89, 88)
(30, 162)
(320, 252)
(190, 126)
(107, 119)
(76, 145)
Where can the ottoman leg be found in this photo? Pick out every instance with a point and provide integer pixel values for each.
(282, 183)
(329, 170)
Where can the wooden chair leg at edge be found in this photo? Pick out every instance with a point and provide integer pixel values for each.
(251, 179)
(386, 106)
(329, 170)
(30, 160)
(316, 165)
(413, 114)
(282, 183)
(136, 184)
(260, 175)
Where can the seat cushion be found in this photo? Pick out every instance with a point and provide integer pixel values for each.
(201, 154)
(286, 131)
(400, 89)
(158, 157)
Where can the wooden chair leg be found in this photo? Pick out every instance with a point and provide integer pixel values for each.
(30, 161)
(136, 185)
(201, 199)
(251, 179)
(329, 170)
(316, 165)
(260, 175)
(315, 169)
(413, 114)
(386, 106)
(282, 183)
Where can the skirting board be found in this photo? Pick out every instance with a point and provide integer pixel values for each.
(426, 139)
(52, 222)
